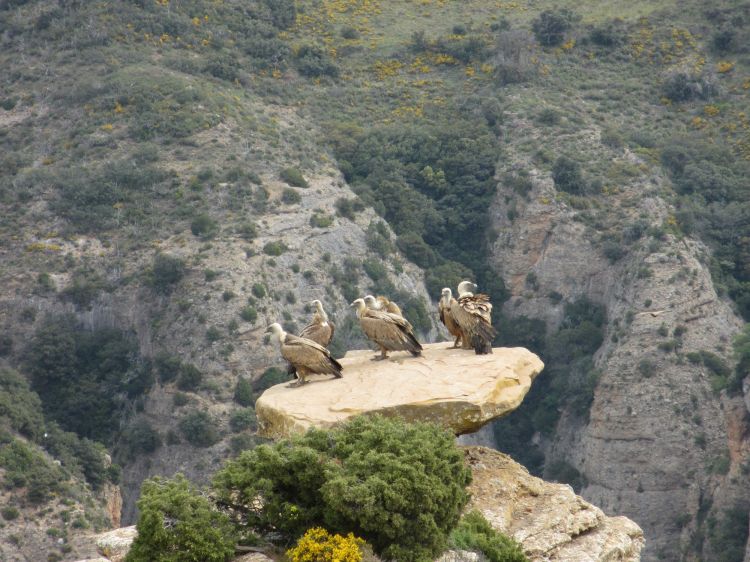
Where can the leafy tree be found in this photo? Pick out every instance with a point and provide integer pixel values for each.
(243, 392)
(19, 406)
(551, 25)
(178, 524)
(400, 486)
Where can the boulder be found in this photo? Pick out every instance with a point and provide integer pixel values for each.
(550, 521)
(114, 545)
(453, 387)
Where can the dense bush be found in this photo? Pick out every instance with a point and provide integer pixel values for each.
(199, 429)
(166, 272)
(20, 408)
(312, 61)
(177, 523)
(243, 392)
(551, 25)
(400, 486)
(86, 380)
(567, 175)
(26, 468)
(275, 248)
(474, 533)
(242, 419)
(139, 438)
(681, 86)
(728, 534)
(290, 196)
(318, 545)
(204, 226)
(293, 177)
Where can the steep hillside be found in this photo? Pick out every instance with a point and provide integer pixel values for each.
(175, 174)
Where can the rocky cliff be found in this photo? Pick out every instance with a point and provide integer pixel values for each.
(451, 387)
(663, 444)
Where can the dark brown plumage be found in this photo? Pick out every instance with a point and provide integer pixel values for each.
(390, 331)
(446, 316)
(306, 356)
(473, 314)
(320, 330)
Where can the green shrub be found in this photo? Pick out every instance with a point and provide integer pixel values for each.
(290, 196)
(567, 176)
(240, 420)
(9, 513)
(400, 486)
(274, 249)
(227, 295)
(321, 220)
(243, 392)
(84, 287)
(19, 406)
(293, 177)
(190, 377)
(196, 531)
(26, 468)
(259, 290)
(681, 86)
(348, 208)
(199, 429)
(166, 272)
(474, 533)
(213, 334)
(249, 314)
(270, 377)
(248, 230)
(85, 379)
(313, 61)
(551, 25)
(167, 366)
(204, 226)
(140, 438)
(728, 534)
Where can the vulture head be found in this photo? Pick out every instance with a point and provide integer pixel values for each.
(466, 287)
(276, 330)
(447, 295)
(371, 302)
(359, 305)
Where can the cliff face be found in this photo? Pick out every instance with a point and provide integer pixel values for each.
(661, 444)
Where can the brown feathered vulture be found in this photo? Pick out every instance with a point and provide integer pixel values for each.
(473, 314)
(320, 330)
(306, 356)
(446, 315)
(390, 331)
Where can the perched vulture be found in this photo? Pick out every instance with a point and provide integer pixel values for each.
(390, 331)
(383, 304)
(446, 316)
(472, 313)
(320, 330)
(306, 356)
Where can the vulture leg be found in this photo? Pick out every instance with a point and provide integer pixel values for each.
(383, 354)
(457, 342)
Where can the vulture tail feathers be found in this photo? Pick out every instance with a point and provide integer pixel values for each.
(482, 338)
(414, 347)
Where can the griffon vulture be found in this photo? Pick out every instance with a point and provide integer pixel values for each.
(306, 356)
(473, 313)
(383, 304)
(446, 316)
(390, 331)
(320, 330)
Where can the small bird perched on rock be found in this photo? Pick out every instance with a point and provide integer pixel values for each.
(446, 316)
(320, 330)
(390, 331)
(306, 356)
(473, 315)
(383, 304)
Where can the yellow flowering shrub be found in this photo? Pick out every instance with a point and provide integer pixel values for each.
(318, 545)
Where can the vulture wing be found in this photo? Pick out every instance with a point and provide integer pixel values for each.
(305, 354)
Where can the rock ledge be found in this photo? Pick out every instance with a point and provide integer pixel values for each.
(453, 387)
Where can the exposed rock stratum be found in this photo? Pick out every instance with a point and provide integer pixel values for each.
(452, 387)
(549, 521)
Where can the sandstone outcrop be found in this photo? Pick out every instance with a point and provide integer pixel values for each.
(549, 520)
(452, 387)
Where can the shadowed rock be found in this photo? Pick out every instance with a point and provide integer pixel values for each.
(453, 387)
